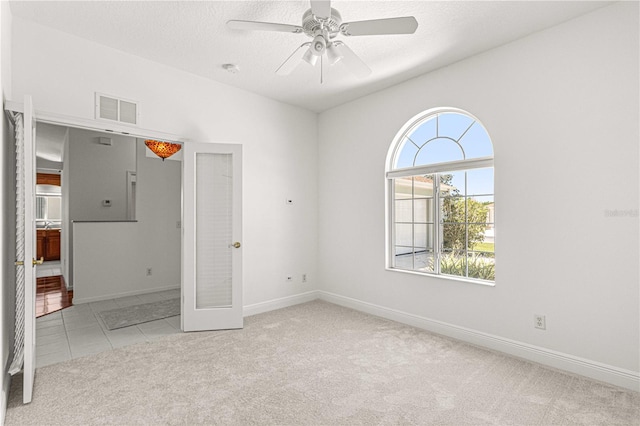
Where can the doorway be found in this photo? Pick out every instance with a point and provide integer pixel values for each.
(52, 294)
(120, 210)
(189, 285)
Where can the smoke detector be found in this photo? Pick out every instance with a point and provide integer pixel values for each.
(232, 68)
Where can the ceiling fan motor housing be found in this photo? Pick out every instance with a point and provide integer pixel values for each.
(311, 23)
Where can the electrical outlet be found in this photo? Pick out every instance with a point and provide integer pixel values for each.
(289, 279)
(148, 271)
(540, 322)
(304, 278)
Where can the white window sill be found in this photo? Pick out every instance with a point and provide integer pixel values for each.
(444, 277)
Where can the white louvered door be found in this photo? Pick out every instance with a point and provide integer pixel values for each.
(212, 239)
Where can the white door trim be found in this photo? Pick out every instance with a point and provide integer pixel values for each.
(91, 124)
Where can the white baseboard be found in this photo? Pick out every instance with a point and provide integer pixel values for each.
(283, 302)
(584, 367)
(78, 301)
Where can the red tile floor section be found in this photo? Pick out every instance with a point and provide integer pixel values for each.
(52, 295)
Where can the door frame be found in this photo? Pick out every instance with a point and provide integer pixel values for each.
(91, 124)
(100, 126)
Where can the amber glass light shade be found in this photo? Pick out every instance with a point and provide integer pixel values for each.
(162, 149)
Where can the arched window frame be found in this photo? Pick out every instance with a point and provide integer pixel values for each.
(437, 169)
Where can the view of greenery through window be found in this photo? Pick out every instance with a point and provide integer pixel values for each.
(443, 223)
(466, 225)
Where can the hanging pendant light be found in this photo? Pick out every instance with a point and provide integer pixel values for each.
(162, 149)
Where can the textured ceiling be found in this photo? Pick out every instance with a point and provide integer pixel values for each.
(192, 36)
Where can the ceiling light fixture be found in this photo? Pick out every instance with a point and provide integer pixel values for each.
(333, 54)
(310, 57)
(319, 43)
(162, 149)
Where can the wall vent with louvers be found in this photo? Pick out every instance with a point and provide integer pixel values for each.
(111, 108)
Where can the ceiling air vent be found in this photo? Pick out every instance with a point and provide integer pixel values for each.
(114, 109)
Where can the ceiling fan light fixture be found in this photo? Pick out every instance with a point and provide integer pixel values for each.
(319, 45)
(333, 54)
(310, 57)
(322, 24)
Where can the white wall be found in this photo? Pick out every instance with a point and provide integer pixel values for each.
(7, 206)
(152, 241)
(562, 109)
(46, 166)
(279, 140)
(98, 172)
(92, 172)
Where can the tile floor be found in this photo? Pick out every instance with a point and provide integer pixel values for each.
(77, 331)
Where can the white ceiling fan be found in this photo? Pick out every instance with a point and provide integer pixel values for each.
(323, 23)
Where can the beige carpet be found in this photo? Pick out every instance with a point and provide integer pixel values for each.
(315, 363)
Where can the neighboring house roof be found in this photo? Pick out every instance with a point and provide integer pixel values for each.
(427, 181)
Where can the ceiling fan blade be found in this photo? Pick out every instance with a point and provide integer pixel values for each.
(352, 61)
(321, 8)
(404, 25)
(263, 26)
(293, 60)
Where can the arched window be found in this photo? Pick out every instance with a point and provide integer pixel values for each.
(441, 198)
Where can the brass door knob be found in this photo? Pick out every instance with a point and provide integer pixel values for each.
(236, 244)
(37, 262)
